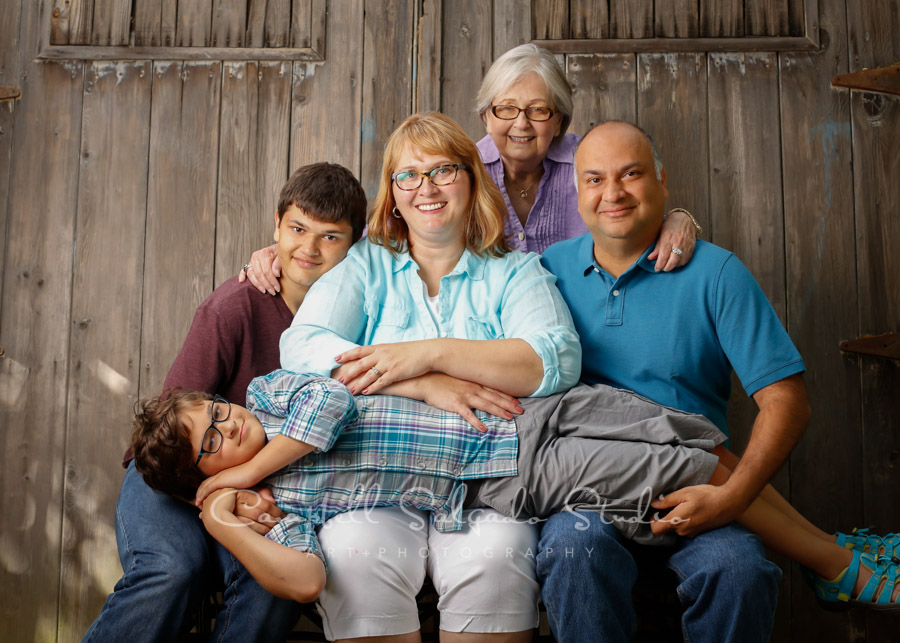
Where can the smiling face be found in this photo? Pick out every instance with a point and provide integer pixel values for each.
(307, 249)
(619, 196)
(434, 214)
(242, 435)
(521, 141)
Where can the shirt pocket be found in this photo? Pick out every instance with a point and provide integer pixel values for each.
(390, 321)
(483, 328)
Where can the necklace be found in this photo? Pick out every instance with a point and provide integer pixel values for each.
(524, 192)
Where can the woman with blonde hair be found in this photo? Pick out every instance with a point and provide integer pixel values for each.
(434, 306)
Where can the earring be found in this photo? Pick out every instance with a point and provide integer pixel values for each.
(395, 212)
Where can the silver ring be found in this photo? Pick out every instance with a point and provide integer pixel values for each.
(247, 267)
(376, 371)
(678, 251)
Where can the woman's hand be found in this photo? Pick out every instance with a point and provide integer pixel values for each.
(459, 396)
(264, 271)
(368, 369)
(678, 233)
(243, 476)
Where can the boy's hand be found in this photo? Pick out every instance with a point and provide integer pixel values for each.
(257, 509)
(218, 508)
(243, 476)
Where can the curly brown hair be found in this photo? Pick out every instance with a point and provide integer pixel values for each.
(161, 443)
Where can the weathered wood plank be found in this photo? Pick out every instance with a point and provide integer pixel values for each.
(721, 18)
(59, 21)
(469, 46)
(34, 331)
(677, 45)
(256, 25)
(9, 66)
(604, 87)
(81, 14)
(389, 37)
(822, 302)
(229, 18)
(797, 10)
(104, 349)
(550, 18)
(766, 17)
(112, 22)
(181, 205)
(672, 106)
(427, 79)
(193, 23)
(589, 19)
(148, 15)
(512, 24)
(169, 23)
(631, 19)
(253, 159)
(177, 53)
(301, 17)
(278, 23)
(875, 119)
(326, 97)
(676, 19)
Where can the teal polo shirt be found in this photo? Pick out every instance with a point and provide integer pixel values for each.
(674, 337)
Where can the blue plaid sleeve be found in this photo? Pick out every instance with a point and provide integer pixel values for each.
(315, 409)
(297, 533)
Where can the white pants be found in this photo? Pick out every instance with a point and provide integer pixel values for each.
(377, 560)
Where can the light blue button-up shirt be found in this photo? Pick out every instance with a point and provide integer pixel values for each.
(374, 297)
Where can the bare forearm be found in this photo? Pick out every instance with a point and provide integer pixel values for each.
(508, 365)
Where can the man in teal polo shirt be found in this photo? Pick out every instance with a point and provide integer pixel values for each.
(673, 337)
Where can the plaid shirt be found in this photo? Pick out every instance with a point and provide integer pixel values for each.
(377, 451)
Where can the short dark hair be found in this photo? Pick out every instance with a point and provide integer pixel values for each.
(326, 192)
(161, 443)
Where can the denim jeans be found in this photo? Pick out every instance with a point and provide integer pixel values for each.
(169, 562)
(727, 587)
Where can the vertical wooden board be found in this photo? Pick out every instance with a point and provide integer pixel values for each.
(256, 24)
(301, 23)
(822, 301)
(112, 23)
(676, 19)
(59, 21)
(872, 30)
(169, 23)
(721, 18)
(228, 20)
(766, 17)
(326, 97)
(181, 205)
(278, 23)
(253, 159)
(467, 42)
(317, 25)
(389, 41)
(603, 87)
(512, 24)
(81, 13)
(427, 75)
(550, 19)
(589, 19)
(34, 332)
(9, 39)
(797, 10)
(193, 23)
(672, 107)
(148, 24)
(104, 349)
(631, 18)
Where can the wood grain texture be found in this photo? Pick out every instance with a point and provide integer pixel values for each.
(467, 55)
(278, 23)
(326, 97)
(9, 66)
(81, 15)
(550, 18)
(676, 19)
(112, 22)
(253, 160)
(193, 23)
(301, 23)
(512, 24)
(389, 36)
(427, 80)
(604, 87)
(181, 208)
(875, 122)
(589, 19)
(822, 302)
(34, 334)
(229, 18)
(148, 25)
(630, 18)
(721, 18)
(766, 17)
(105, 340)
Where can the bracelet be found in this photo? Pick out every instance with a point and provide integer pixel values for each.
(690, 216)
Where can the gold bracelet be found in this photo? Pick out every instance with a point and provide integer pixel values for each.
(690, 216)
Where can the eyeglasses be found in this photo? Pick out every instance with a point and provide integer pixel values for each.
(511, 112)
(219, 411)
(441, 175)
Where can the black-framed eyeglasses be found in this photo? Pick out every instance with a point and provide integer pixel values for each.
(219, 411)
(537, 113)
(440, 175)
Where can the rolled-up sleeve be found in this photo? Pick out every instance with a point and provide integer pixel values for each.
(533, 310)
(297, 533)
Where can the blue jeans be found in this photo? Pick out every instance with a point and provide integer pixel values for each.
(168, 561)
(727, 587)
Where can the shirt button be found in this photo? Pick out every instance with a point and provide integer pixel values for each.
(615, 293)
(521, 236)
(456, 471)
(382, 461)
(346, 462)
(421, 464)
(596, 270)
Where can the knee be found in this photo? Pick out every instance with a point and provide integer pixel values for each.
(739, 567)
(577, 539)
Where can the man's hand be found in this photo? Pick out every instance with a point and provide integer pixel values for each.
(257, 509)
(695, 510)
(243, 476)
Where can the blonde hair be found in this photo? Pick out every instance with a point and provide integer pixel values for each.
(434, 133)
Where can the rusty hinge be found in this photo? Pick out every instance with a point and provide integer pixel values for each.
(886, 345)
(9, 93)
(880, 79)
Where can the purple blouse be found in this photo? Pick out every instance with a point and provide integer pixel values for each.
(554, 215)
